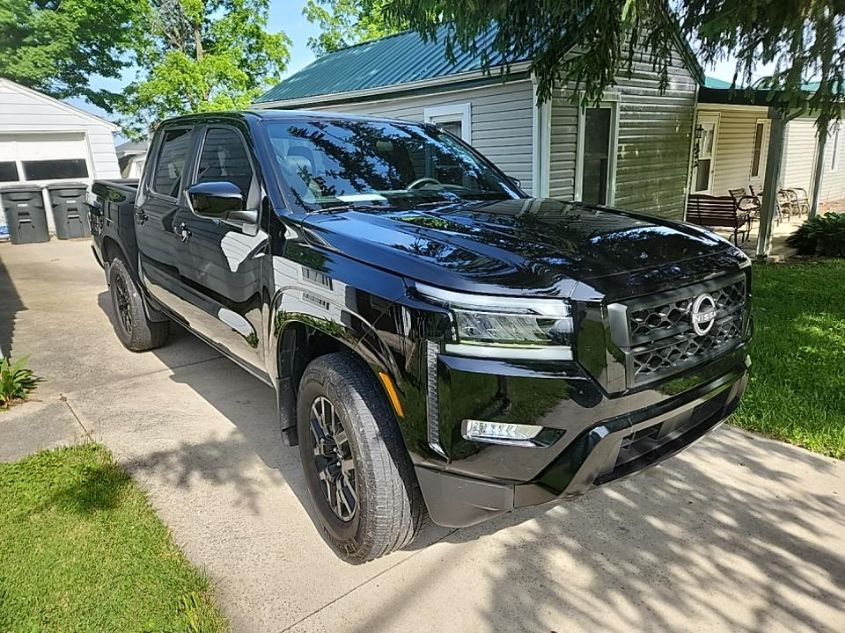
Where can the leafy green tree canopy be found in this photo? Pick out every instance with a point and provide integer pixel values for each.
(201, 56)
(346, 22)
(56, 46)
(801, 39)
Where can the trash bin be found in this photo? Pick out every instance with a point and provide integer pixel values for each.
(25, 214)
(69, 211)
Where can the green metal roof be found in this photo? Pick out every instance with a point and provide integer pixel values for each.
(712, 82)
(390, 61)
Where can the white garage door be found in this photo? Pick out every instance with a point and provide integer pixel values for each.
(43, 157)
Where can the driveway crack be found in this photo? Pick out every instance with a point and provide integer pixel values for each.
(64, 399)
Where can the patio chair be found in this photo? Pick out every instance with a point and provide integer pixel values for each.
(785, 204)
(800, 200)
(759, 195)
(744, 202)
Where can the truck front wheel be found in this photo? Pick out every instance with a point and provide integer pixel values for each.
(134, 329)
(365, 497)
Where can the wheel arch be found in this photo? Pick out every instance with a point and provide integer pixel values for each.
(301, 338)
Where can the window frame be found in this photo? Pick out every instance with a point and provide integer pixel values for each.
(149, 179)
(835, 147)
(609, 103)
(202, 135)
(707, 116)
(760, 124)
(452, 113)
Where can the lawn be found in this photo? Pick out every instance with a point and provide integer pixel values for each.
(797, 390)
(81, 549)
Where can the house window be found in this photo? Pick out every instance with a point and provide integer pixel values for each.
(596, 162)
(8, 171)
(758, 149)
(834, 158)
(455, 119)
(55, 169)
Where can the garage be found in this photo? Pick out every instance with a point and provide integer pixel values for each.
(44, 141)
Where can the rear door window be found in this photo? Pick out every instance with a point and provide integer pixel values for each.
(170, 165)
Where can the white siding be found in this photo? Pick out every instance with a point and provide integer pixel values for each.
(501, 120)
(799, 154)
(23, 112)
(653, 140)
(833, 181)
(735, 149)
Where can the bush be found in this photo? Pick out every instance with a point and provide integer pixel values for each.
(822, 236)
(16, 382)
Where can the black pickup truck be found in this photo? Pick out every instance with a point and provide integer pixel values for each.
(437, 340)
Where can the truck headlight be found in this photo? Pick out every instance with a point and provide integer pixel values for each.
(506, 327)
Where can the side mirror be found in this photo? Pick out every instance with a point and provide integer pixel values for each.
(220, 200)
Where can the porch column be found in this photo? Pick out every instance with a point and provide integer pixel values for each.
(774, 158)
(818, 173)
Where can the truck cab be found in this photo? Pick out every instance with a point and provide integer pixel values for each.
(438, 342)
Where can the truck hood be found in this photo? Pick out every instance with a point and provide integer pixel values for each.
(539, 247)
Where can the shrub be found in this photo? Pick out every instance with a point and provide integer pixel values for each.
(16, 381)
(822, 236)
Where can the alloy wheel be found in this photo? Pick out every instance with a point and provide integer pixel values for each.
(333, 459)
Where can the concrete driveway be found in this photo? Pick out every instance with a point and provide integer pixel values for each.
(738, 534)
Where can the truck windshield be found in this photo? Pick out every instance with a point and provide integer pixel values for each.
(328, 163)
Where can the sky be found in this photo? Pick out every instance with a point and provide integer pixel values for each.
(286, 15)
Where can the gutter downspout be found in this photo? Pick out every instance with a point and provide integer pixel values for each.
(774, 166)
(818, 173)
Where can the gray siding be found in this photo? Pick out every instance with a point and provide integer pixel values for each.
(735, 149)
(653, 140)
(562, 147)
(501, 120)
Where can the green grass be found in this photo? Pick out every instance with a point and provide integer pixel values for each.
(797, 390)
(81, 549)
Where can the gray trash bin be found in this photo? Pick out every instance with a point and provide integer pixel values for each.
(69, 211)
(25, 214)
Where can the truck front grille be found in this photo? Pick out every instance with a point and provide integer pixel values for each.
(656, 336)
(654, 322)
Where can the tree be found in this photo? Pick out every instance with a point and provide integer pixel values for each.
(56, 46)
(346, 22)
(801, 39)
(201, 56)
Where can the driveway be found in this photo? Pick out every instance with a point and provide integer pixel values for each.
(739, 533)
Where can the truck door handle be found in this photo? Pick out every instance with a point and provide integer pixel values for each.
(183, 232)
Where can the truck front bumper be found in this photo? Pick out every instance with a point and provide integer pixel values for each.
(613, 449)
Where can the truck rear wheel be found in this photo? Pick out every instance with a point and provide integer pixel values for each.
(366, 499)
(134, 329)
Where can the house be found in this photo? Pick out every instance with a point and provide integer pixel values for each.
(733, 130)
(632, 150)
(131, 156)
(43, 140)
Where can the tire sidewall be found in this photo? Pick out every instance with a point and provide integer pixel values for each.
(344, 536)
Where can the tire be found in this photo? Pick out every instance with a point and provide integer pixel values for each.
(388, 509)
(134, 329)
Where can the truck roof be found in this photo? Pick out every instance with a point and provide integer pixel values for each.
(270, 114)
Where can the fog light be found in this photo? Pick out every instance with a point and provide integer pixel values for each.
(500, 433)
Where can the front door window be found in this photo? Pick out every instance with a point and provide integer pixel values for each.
(706, 133)
(594, 187)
